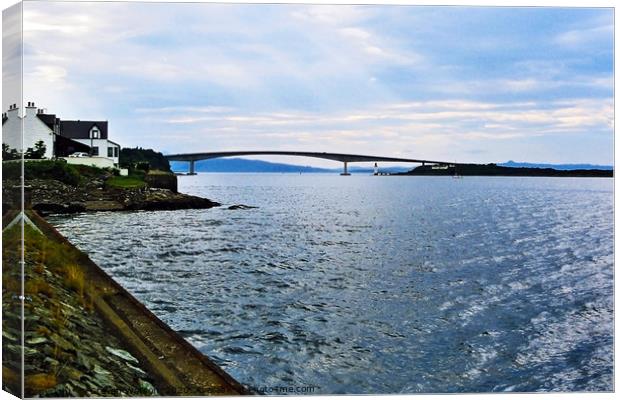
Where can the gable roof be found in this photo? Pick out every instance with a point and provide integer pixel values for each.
(81, 129)
(48, 119)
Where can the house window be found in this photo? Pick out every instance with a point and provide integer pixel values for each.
(94, 133)
(95, 151)
(116, 152)
(110, 151)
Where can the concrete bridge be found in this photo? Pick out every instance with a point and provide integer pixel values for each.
(344, 158)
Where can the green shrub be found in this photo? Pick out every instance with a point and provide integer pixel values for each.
(57, 170)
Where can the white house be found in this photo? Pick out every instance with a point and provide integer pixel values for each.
(61, 138)
(93, 134)
(34, 130)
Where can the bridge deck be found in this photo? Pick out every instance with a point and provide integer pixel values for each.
(328, 156)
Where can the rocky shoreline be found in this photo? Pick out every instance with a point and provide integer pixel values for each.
(68, 350)
(48, 196)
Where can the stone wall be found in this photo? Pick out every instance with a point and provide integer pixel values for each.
(162, 181)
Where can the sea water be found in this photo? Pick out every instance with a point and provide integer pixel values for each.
(367, 284)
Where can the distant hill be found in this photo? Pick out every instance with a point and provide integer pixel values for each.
(562, 167)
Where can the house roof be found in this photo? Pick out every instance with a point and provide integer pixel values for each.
(81, 129)
(64, 146)
(48, 119)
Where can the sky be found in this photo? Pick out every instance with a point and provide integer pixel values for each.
(463, 84)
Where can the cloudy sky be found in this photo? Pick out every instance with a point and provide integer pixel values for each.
(449, 83)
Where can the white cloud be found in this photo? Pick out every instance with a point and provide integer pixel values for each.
(396, 124)
(355, 78)
(49, 73)
(582, 37)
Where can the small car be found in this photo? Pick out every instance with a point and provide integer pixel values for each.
(79, 154)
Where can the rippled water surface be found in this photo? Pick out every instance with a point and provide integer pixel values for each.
(368, 284)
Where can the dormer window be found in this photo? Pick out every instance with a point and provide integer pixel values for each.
(94, 133)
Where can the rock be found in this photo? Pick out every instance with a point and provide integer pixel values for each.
(241, 207)
(136, 369)
(146, 388)
(36, 340)
(101, 380)
(51, 361)
(122, 354)
(86, 361)
(61, 342)
(103, 205)
(100, 371)
(72, 373)
(54, 197)
(8, 336)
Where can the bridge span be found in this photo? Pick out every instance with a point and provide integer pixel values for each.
(344, 158)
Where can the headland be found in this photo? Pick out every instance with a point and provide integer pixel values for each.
(54, 186)
(496, 170)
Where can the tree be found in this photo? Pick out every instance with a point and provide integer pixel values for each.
(38, 152)
(39, 149)
(9, 153)
(130, 158)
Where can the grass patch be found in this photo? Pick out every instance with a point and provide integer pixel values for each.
(36, 286)
(41, 252)
(125, 182)
(74, 278)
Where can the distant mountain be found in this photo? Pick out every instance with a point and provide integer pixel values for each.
(562, 167)
(244, 165)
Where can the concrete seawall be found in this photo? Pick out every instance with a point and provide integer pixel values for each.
(173, 365)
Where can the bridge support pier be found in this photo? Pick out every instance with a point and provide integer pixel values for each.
(346, 170)
(192, 167)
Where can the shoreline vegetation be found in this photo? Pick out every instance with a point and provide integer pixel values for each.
(84, 334)
(496, 170)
